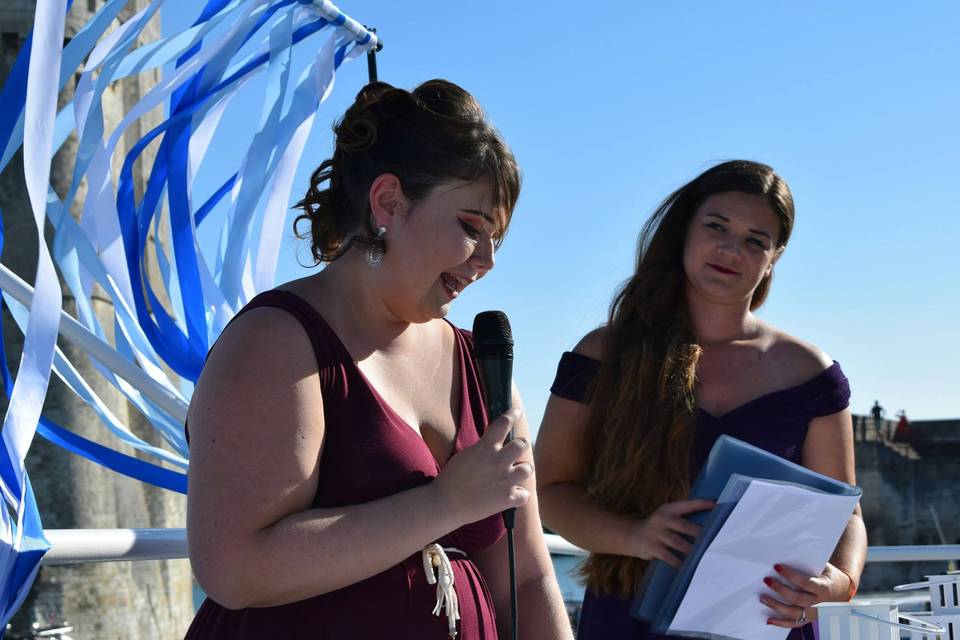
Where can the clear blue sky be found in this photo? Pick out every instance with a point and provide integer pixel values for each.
(609, 108)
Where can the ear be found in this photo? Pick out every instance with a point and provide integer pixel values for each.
(387, 200)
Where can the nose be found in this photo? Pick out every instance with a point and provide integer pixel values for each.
(730, 245)
(483, 255)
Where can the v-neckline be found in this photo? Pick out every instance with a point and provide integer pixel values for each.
(461, 408)
(763, 397)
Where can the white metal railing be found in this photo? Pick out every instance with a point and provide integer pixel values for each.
(914, 553)
(71, 546)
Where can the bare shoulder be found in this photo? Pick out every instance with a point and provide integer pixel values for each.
(594, 344)
(263, 336)
(790, 353)
(263, 354)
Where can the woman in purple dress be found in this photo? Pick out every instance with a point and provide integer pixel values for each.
(638, 404)
(345, 480)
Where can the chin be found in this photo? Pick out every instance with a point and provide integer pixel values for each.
(429, 313)
(717, 292)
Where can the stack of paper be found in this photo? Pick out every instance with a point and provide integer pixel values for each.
(769, 511)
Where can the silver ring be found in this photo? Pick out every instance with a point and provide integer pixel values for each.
(802, 620)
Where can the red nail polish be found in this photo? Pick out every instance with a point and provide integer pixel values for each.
(768, 582)
(778, 568)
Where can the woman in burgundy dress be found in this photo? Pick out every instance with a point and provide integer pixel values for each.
(638, 404)
(345, 481)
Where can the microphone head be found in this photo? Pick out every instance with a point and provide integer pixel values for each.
(492, 337)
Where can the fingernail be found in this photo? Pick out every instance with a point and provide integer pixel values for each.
(768, 582)
(778, 568)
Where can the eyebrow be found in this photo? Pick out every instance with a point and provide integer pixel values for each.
(759, 232)
(485, 216)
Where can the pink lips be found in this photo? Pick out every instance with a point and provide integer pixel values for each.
(724, 270)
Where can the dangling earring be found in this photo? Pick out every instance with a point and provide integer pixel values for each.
(375, 250)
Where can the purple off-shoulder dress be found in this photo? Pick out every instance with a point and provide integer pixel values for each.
(369, 452)
(776, 422)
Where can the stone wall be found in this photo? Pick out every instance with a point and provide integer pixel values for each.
(906, 494)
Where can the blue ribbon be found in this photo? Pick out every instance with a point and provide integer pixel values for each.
(14, 94)
(185, 354)
(114, 460)
(147, 332)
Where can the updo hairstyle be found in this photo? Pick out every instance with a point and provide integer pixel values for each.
(436, 133)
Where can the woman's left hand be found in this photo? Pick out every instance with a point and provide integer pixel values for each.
(796, 593)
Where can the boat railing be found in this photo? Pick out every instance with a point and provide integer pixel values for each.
(73, 546)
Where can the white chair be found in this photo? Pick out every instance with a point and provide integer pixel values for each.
(950, 624)
(872, 620)
(944, 604)
(944, 592)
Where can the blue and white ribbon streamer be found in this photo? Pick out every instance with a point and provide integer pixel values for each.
(156, 326)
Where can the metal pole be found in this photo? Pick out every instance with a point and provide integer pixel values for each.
(372, 56)
(73, 546)
(70, 546)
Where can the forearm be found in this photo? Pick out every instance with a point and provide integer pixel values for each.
(851, 552)
(542, 616)
(319, 550)
(568, 510)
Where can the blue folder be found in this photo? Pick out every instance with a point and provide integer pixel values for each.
(728, 457)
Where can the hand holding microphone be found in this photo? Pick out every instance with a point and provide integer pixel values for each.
(493, 351)
(486, 477)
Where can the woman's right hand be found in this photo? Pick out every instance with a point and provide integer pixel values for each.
(486, 477)
(662, 532)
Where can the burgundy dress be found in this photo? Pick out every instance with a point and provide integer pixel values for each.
(776, 422)
(369, 453)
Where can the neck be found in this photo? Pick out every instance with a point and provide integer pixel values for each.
(720, 322)
(363, 320)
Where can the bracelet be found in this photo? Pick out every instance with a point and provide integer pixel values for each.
(853, 584)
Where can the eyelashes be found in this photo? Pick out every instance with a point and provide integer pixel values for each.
(472, 232)
(754, 242)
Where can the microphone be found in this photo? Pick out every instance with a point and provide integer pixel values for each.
(493, 352)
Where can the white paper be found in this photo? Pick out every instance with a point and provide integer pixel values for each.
(772, 523)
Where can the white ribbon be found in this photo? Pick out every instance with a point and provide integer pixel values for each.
(437, 566)
(72, 378)
(33, 375)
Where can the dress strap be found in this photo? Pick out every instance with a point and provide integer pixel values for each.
(575, 375)
(322, 337)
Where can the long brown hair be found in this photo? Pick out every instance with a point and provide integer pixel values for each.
(640, 424)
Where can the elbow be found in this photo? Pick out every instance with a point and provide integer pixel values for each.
(222, 574)
(219, 586)
(225, 597)
(550, 504)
